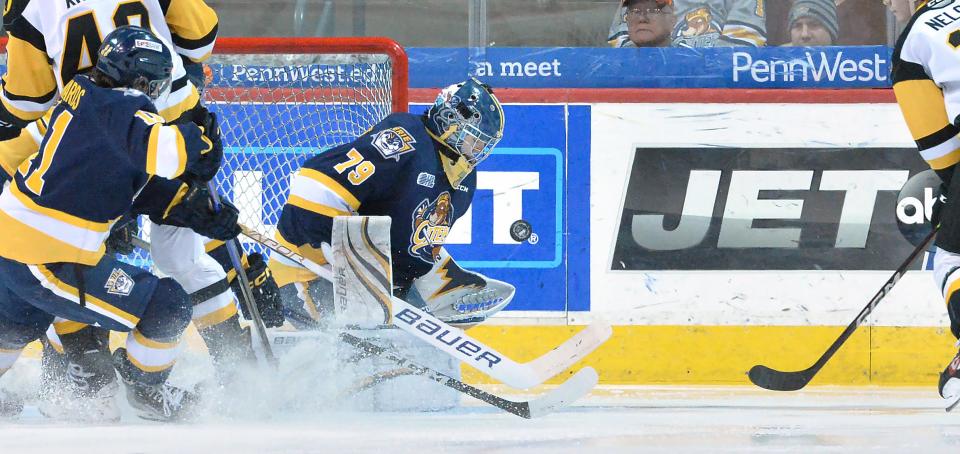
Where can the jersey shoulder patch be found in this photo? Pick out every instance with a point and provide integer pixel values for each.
(397, 135)
(393, 142)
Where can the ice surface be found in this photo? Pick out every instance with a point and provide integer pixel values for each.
(641, 419)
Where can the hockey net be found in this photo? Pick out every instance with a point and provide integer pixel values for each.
(281, 101)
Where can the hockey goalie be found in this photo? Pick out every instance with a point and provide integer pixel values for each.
(418, 171)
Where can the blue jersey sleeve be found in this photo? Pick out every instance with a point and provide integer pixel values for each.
(339, 181)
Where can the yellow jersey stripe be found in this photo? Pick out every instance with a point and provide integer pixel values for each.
(172, 113)
(152, 143)
(28, 245)
(146, 342)
(921, 102)
(76, 221)
(32, 76)
(146, 368)
(313, 207)
(106, 308)
(333, 185)
(945, 161)
(216, 317)
(67, 327)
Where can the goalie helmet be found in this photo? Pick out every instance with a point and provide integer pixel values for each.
(133, 57)
(467, 118)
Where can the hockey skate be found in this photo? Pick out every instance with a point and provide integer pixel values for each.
(950, 383)
(161, 402)
(80, 387)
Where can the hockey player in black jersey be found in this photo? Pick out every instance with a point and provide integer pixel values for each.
(419, 171)
(108, 152)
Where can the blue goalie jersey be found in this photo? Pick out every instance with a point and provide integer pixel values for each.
(95, 163)
(392, 170)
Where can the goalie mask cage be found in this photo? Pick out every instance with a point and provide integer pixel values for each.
(283, 100)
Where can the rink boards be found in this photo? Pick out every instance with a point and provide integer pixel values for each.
(745, 229)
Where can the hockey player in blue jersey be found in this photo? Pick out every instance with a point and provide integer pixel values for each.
(419, 171)
(50, 42)
(108, 152)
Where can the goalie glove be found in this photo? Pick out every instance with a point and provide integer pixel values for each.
(457, 296)
(195, 211)
(266, 294)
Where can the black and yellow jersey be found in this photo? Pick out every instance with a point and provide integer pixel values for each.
(51, 41)
(100, 152)
(926, 81)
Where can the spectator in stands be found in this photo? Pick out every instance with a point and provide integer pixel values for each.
(707, 23)
(813, 23)
(643, 23)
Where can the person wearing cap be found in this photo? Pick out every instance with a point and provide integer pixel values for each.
(704, 23)
(643, 23)
(813, 23)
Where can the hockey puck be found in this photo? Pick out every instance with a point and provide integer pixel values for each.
(520, 230)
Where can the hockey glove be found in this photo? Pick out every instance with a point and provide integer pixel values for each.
(121, 236)
(266, 294)
(205, 168)
(195, 212)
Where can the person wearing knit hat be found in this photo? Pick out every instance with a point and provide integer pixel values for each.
(813, 23)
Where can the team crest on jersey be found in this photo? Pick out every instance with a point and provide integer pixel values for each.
(697, 28)
(119, 283)
(431, 225)
(393, 142)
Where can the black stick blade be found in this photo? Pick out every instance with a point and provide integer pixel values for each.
(776, 380)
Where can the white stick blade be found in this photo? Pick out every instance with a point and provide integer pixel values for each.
(569, 392)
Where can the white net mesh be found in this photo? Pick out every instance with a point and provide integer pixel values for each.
(276, 110)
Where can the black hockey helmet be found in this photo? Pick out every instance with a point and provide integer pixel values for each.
(133, 57)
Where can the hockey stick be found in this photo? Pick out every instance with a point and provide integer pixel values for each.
(776, 380)
(574, 388)
(454, 342)
(233, 250)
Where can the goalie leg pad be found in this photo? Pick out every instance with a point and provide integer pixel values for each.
(362, 269)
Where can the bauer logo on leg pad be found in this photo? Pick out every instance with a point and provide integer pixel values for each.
(119, 283)
(448, 337)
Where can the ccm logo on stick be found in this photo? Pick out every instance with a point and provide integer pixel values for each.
(444, 335)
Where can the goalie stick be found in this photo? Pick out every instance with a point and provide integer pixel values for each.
(574, 388)
(454, 342)
(776, 380)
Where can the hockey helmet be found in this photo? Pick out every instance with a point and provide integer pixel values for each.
(133, 57)
(468, 119)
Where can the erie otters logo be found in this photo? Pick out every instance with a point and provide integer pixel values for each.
(431, 225)
(393, 142)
